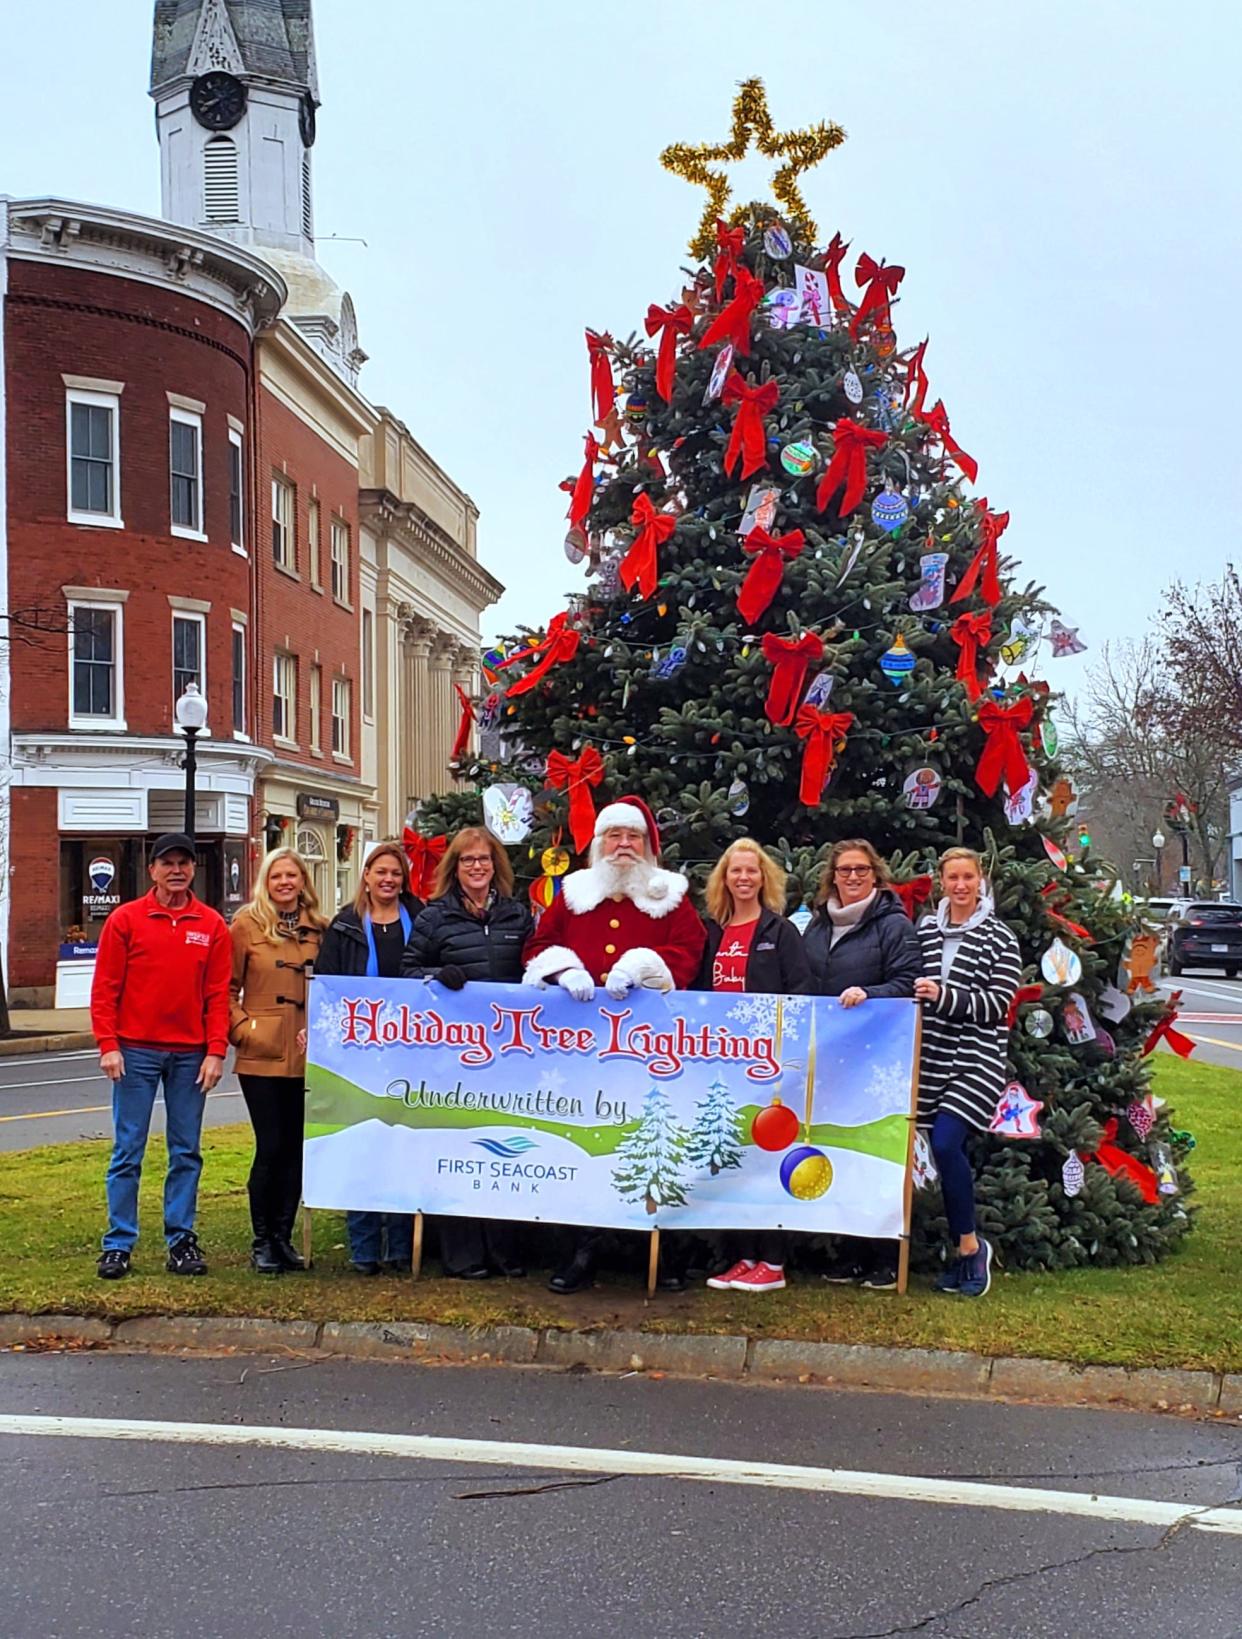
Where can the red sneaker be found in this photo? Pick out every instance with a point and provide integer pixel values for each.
(722, 1283)
(764, 1277)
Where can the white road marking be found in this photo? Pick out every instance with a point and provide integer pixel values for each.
(593, 1460)
(52, 1081)
(1221, 992)
(47, 1058)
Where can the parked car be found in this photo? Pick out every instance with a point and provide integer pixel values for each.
(1206, 933)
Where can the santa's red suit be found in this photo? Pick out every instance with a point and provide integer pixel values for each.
(619, 934)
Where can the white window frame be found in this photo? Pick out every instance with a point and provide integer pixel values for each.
(116, 607)
(367, 645)
(313, 518)
(291, 721)
(200, 620)
(282, 486)
(100, 401)
(236, 630)
(193, 419)
(341, 753)
(315, 709)
(339, 530)
(237, 442)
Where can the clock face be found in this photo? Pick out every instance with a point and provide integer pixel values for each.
(218, 100)
(306, 122)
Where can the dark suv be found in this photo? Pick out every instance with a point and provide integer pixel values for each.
(1206, 934)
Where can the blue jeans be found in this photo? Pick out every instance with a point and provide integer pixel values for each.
(133, 1099)
(366, 1237)
(949, 1137)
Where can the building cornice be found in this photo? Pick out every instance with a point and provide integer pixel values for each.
(292, 350)
(409, 526)
(119, 243)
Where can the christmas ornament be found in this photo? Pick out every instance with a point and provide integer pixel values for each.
(1073, 1173)
(1062, 799)
(1060, 965)
(1038, 1023)
(542, 892)
(801, 918)
(1161, 1158)
(608, 577)
(857, 542)
(813, 308)
(1020, 806)
(782, 306)
(738, 798)
(922, 787)
(1104, 1042)
(1022, 640)
(851, 386)
(924, 1170)
(1140, 1117)
(720, 374)
(884, 412)
(890, 509)
(884, 341)
(1138, 962)
(1054, 853)
(508, 812)
(931, 587)
(554, 861)
(820, 689)
(806, 1173)
(1076, 1019)
(897, 663)
(760, 512)
(1049, 738)
(799, 459)
(1017, 1113)
(1065, 640)
(777, 242)
(576, 544)
(664, 667)
(636, 409)
(489, 711)
(775, 1127)
(1114, 1004)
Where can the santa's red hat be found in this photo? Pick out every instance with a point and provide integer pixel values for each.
(633, 813)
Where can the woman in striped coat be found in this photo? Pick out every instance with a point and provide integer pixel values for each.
(971, 969)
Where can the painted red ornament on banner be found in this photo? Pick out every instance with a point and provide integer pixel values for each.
(775, 1127)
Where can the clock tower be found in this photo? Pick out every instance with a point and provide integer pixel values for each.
(235, 98)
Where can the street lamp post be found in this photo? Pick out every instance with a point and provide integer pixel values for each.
(191, 715)
(1157, 842)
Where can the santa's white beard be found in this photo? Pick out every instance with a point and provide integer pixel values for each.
(624, 876)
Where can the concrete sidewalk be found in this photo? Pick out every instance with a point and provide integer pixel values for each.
(48, 1030)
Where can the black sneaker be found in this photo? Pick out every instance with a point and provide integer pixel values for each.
(843, 1271)
(882, 1277)
(185, 1256)
(113, 1264)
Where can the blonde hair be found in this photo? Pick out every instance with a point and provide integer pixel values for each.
(950, 854)
(771, 891)
(446, 870)
(362, 899)
(856, 845)
(262, 907)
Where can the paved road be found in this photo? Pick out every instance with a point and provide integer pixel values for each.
(152, 1536)
(1211, 1014)
(54, 1098)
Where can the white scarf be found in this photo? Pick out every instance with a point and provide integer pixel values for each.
(845, 917)
(954, 932)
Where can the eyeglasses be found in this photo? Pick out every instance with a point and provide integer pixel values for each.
(476, 859)
(854, 870)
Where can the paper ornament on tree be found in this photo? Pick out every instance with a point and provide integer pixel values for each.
(923, 1172)
(799, 459)
(1139, 1115)
(1038, 1023)
(576, 547)
(1060, 965)
(1073, 1173)
(1065, 640)
(1017, 1113)
(851, 386)
(720, 373)
(738, 798)
(760, 510)
(1138, 963)
(806, 1173)
(775, 1127)
(508, 812)
(1055, 854)
(1161, 1158)
(1077, 1021)
(777, 242)
(1049, 738)
(1113, 1004)
(931, 587)
(820, 689)
(1020, 804)
(921, 787)
(1024, 636)
(890, 508)
(782, 309)
(857, 542)
(897, 663)
(1062, 799)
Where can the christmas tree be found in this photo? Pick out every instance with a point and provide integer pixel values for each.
(798, 624)
(714, 1141)
(651, 1158)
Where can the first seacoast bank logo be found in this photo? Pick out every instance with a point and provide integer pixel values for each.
(508, 1167)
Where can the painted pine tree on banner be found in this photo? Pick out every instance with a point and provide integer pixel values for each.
(651, 1160)
(799, 624)
(715, 1138)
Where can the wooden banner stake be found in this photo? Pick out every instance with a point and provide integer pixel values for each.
(907, 1195)
(653, 1262)
(416, 1261)
(306, 1236)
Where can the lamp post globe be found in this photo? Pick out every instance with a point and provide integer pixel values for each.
(1157, 842)
(191, 714)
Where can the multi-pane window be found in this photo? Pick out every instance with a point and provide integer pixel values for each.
(283, 550)
(316, 695)
(185, 469)
(237, 491)
(341, 691)
(239, 679)
(340, 561)
(189, 644)
(312, 541)
(94, 477)
(284, 696)
(94, 650)
(368, 664)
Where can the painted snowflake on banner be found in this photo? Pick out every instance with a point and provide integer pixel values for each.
(328, 1023)
(758, 1013)
(889, 1085)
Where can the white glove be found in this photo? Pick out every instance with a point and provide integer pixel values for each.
(617, 983)
(639, 967)
(577, 981)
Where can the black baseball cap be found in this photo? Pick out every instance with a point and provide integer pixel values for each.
(170, 842)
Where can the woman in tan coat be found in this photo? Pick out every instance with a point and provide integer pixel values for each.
(276, 938)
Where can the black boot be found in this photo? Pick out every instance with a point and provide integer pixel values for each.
(577, 1273)
(264, 1258)
(282, 1223)
(291, 1260)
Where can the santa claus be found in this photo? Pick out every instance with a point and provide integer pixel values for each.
(621, 922)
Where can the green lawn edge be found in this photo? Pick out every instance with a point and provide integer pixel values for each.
(1186, 1311)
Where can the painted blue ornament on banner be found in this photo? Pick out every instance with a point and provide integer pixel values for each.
(890, 509)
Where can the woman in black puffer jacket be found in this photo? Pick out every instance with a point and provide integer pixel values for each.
(473, 928)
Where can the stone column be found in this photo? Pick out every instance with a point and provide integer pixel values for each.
(442, 701)
(416, 761)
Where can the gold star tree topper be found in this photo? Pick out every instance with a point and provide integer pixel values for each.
(799, 150)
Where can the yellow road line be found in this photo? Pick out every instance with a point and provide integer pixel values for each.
(1215, 1041)
(88, 1109)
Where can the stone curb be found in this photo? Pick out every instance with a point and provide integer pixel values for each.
(70, 1042)
(921, 1371)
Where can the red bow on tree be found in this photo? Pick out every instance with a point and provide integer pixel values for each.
(1024, 993)
(881, 283)
(937, 420)
(560, 645)
(1119, 1163)
(732, 323)
(1055, 911)
(985, 563)
(824, 733)
(763, 578)
(971, 633)
(729, 242)
(424, 854)
(748, 440)
(790, 658)
(463, 726)
(603, 393)
(1003, 756)
(639, 563)
(916, 377)
(833, 257)
(577, 777)
(1182, 1045)
(915, 892)
(847, 471)
(580, 502)
(668, 323)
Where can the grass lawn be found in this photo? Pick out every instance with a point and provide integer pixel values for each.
(1186, 1311)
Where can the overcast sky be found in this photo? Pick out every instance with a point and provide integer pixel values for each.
(1060, 182)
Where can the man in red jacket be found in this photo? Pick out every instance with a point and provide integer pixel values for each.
(160, 1013)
